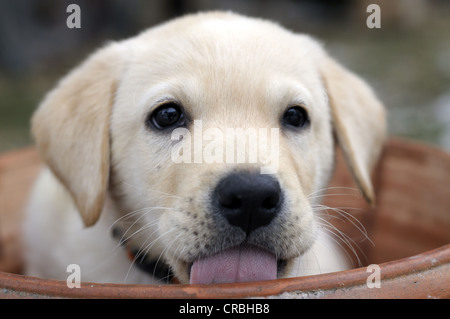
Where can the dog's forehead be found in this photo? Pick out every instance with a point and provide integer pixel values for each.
(225, 59)
(222, 44)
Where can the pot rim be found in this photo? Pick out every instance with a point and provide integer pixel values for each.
(423, 276)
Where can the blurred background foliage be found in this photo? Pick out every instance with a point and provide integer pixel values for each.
(407, 60)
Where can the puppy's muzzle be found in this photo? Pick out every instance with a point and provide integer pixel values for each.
(248, 200)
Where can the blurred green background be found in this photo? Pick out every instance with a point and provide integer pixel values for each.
(407, 60)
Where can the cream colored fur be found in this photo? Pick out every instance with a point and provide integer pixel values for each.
(108, 169)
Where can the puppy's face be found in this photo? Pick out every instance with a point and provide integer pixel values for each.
(219, 130)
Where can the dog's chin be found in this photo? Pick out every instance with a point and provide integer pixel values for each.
(243, 263)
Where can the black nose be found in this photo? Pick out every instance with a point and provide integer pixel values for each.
(248, 200)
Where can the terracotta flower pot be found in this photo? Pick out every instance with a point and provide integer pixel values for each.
(409, 233)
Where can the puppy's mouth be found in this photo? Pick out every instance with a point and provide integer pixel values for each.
(243, 263)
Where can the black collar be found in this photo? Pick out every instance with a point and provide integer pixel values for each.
(156, 268)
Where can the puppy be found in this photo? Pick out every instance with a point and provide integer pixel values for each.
(144, 183)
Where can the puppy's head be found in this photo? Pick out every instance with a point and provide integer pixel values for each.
(212, 131)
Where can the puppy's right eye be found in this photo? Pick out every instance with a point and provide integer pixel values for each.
(168, 115)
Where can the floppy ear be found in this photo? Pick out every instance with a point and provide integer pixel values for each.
(358, 120)
(71, 129)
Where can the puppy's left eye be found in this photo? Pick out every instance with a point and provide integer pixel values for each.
(166, 116)
(296, 116)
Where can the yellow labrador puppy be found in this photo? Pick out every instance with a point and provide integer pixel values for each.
(196, 150)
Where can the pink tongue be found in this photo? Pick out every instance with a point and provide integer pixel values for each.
(236, 264)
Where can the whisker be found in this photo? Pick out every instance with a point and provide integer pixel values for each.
(165, 249)
(346, 240)
(140, 231)
(332, 188)
(147, 211)
(124, 240)
(347, 216)
(126, 216)
(143, 251)
(335, 237)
